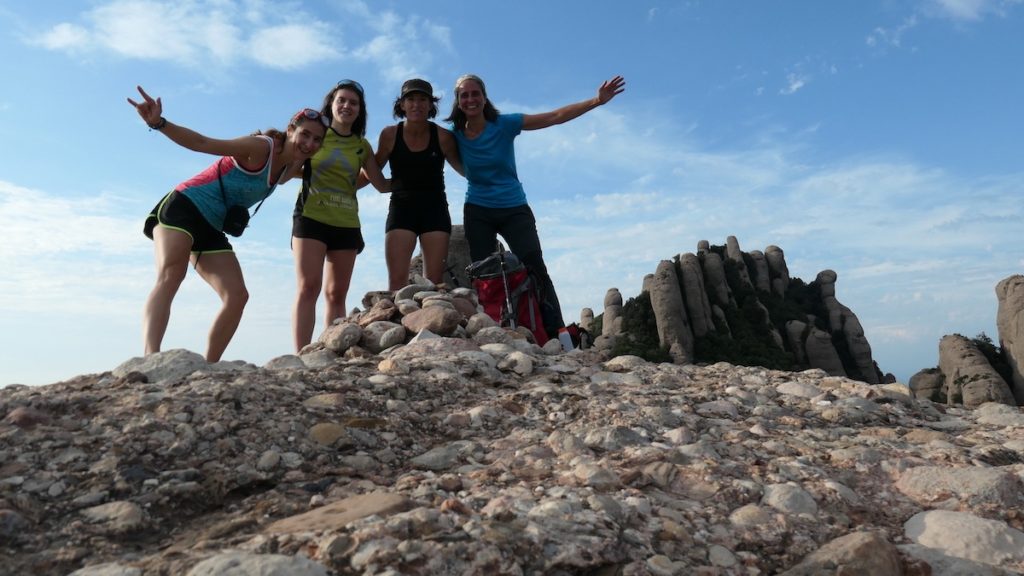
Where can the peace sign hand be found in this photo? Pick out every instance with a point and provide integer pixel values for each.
(150, 110)
(609, 89)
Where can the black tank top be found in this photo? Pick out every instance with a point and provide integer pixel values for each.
(417, 175)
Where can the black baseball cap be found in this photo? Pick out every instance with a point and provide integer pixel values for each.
(417, 85)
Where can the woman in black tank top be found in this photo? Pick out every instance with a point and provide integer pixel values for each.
(416, 151)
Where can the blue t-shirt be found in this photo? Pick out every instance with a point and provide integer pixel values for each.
(489, 161)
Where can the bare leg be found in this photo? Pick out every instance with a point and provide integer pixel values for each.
(435, 254)
(222, 272)
(309, 272)
(172, 252)
(398, 247)
(336, 282)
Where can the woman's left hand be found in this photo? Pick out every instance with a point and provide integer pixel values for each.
(610, 88)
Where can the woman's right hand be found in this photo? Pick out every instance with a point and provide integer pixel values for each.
(150, 110)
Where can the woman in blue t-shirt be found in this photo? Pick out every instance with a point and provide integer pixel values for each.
(495, 200)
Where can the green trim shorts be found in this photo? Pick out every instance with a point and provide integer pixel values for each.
(177, 212)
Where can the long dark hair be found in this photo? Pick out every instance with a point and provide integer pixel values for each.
(359, 126)
(458, 117)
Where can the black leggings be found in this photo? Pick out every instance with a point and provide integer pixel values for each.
(518, 227)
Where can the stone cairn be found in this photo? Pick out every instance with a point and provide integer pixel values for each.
(965, 375)
(691, 294)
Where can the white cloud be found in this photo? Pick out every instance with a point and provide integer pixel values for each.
(882, 37)
(441, 35)
(357, 8)
(292, 46)
(63, 254)
(40, 224)
(627, 204)
(64, 37)
(958, 11)
(196, 33)
(964, 9)
(794, 82)
(403, 48)
(894, 333)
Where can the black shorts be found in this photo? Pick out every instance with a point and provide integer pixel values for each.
(177, 212)
(419, 217)
(334, 237)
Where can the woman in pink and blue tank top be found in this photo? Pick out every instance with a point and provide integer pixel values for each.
(188, 224)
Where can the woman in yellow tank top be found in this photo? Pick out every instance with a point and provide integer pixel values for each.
(326, 236)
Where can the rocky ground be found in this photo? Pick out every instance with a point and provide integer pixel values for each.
(492, 456)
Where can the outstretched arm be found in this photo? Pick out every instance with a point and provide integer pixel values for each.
(608, 90)
(249, 150)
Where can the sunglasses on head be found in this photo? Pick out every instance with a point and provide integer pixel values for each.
(351, 83)
(311, 114)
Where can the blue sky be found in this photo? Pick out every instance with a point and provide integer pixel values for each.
(877, 138)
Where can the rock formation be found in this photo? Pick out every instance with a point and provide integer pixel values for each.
(796, 335)
(735, 255)
(843, 321)
(821, 353)
(975, 371)
(930, 384)
(777, 269)
(698, 307)
(721, 286)
(969, 377)
(718, 287)
(483, 454)
(587, 320)
(674, 330)
(1010, 323)
(611, 323)
(762, 277)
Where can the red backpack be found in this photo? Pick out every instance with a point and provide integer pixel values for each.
(508, 293)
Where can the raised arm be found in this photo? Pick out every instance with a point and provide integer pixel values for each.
(450, 149)
(608, 90)
(248, 150)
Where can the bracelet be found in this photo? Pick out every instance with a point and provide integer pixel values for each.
(159, 125)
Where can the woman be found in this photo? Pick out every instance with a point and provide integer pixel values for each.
(495, 200)
(325, 227)
(417, 149)
(187, 225)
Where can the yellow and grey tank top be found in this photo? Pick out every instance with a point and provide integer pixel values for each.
(331, 196)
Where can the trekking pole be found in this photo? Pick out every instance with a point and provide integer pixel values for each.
(504, 282)
(450, 269)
